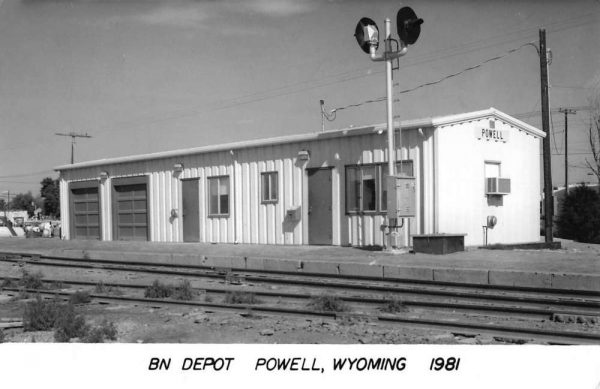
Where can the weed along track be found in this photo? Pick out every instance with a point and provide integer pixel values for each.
(530, 314)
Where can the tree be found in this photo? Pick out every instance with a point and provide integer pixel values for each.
(594, 137)
(51, 195)
(23, 202)
(2, 204)
(579, 215)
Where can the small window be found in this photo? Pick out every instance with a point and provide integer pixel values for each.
(352, 188)
(218, 196)
(270, 188)
(369, 185)
(366, 186)
(492, 169)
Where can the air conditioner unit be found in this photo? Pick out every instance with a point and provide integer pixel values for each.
(497, 186)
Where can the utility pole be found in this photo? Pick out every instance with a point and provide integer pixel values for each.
(7, 202)
(567, 111)
(548, 198)
(73, 135)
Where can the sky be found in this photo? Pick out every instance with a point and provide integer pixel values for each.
(143, 76)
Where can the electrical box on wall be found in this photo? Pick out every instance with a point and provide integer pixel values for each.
(293, 213)
(401, 197)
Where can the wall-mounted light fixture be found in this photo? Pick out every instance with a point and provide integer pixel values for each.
(103, 175)
(178, 167)
(304, 155)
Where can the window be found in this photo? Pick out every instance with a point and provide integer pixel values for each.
(218, 198)
(492, 169)
(269, 187)
(366, 188)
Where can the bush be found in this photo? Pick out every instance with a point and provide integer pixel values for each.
(7, 283)
(327, 303)
(55, 285)
(2, 336)
(69, 325)
(40, 315)
(241, 298)
(106, 330)
(107, 289)
(32, 280)
(158, 290)
(80, 297)
(394, 305)
(579, 215)
(183, 291)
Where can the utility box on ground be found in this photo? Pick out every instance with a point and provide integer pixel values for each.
(401, 198)
(438, 243)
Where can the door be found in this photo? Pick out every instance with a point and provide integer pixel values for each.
(319, 206)
(190, 212)
(85, 213)
(130, 209)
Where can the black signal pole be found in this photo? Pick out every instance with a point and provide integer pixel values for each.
(548, 198)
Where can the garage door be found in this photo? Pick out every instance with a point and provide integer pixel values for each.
(130, 210)
(85, 213)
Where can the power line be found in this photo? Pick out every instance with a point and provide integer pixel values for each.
(73, 135)
(27, 174)
(509, 52)
(561, 25)
(434, 56)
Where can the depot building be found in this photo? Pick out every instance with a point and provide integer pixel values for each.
(325, 188)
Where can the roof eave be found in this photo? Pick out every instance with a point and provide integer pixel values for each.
(379, 128)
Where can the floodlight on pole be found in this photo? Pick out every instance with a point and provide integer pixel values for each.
(367, 36)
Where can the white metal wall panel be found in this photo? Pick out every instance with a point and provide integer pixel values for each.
(249, 220)
(463, 205)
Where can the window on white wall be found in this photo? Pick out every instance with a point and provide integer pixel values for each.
(269, 187)
(492, 169)
(365, 186)
(218, 196)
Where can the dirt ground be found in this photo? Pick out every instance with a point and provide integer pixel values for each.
(183, 325)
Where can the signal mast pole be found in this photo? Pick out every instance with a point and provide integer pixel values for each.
(548, 197)
(73, 135)
(367, 36)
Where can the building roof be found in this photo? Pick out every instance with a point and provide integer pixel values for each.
(407, 124)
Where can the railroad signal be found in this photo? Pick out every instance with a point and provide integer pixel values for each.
(408, 25)
(367, 35)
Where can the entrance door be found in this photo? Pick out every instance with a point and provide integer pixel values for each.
(190, 210)
(85, 213)
(130, 209)
(319, 206)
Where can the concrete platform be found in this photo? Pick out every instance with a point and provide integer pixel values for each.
(576, 266)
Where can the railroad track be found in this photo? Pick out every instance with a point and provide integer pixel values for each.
(530, 310)
(559, 299)
(482, 300)
(463, 327)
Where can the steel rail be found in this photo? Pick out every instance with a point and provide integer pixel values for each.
(308, 274)
(553, 336)
(545, 312)
(302, 281)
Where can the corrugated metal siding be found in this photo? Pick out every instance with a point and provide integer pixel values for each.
(249, 220)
